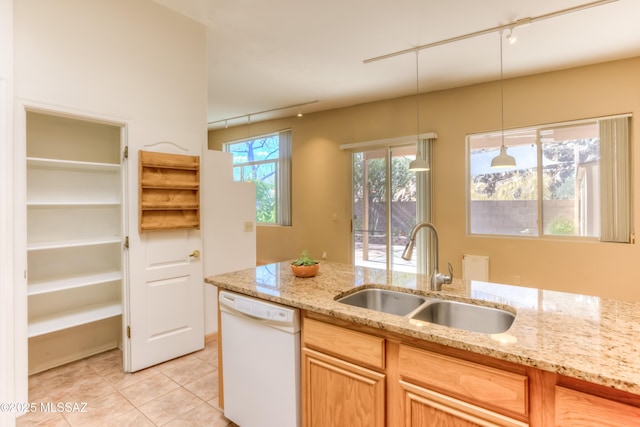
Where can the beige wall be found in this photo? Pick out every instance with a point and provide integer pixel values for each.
(321, 174)
(132, 62)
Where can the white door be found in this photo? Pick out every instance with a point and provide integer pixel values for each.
(164, 304)
(228, 233)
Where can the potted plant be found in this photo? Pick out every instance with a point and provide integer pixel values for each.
(305, 266)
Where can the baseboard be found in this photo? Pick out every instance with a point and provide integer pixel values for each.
(68, 345)
(70, 357)
(211, 337)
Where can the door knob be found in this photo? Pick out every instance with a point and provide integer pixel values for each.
(195, 254)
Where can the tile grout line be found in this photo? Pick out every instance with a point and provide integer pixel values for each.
(103, 371)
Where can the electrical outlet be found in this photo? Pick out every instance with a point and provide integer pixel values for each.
(248, 226)
(516, 280)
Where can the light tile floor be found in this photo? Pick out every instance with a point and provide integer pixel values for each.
(179, 393)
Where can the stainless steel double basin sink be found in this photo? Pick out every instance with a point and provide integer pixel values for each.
(454, 314)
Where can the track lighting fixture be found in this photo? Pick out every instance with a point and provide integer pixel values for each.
(248, 116)
(511, 37)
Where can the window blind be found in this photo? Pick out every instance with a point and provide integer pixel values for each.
(615, 180)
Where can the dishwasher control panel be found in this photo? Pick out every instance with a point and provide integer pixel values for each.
(259, 309)
(263, 311)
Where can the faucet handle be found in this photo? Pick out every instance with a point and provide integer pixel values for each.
(448, 279)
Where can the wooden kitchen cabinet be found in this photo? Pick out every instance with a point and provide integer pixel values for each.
(341, 380)
(426, 408)
(340, 393)
(575, 408)
(345, 371)
(439, 390)
(360, 376)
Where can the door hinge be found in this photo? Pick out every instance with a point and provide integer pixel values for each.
(126, 242)
(126, 152)
(128, 331)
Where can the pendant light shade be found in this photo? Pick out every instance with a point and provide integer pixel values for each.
(502, 160)
(419, 164)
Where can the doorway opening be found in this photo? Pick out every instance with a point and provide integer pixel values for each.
(74, 237)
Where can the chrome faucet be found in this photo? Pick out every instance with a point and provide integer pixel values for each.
(437, 279)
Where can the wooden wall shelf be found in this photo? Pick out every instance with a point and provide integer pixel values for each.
(169, 191)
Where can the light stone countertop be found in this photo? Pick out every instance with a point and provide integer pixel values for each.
(580, 336)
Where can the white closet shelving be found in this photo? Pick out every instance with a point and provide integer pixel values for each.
(74, 232)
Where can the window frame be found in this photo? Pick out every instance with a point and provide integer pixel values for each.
(282, 174)
(538, 129)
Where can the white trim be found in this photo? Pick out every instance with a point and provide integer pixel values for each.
(251, 138)
(19, 208)
(389, 142)
(17, 169)
(32, 106)
(537, 127)
(12, 389)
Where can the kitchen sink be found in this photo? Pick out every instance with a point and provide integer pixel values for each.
(454, 314)
(384, 300)
(470, 317)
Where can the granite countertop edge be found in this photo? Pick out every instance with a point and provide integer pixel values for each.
(579, 336)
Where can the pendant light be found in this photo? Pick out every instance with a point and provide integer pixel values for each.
(502, 160)
(419, 164)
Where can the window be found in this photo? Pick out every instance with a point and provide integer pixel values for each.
(563, 183)
(266, 161)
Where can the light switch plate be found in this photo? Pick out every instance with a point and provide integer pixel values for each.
(248, 226)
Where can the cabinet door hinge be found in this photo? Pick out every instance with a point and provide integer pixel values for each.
(126, 242)
(128, 331)
(126, 152)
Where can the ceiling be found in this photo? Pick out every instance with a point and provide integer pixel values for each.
(265, 55)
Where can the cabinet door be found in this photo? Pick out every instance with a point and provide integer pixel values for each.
(337, 393)
(427, 408)
(574, 408)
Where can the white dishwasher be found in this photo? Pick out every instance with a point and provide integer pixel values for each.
(260, 361)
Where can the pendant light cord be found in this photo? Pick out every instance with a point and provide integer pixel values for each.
(417, 99)
(501, 91)
(420, 163)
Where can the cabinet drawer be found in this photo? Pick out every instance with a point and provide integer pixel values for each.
(577, 408)
(489, 387)
(347, 344)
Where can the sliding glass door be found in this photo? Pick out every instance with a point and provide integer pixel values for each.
(385, 198)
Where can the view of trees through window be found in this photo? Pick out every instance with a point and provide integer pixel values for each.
(506, 201)
(257, 161)
(403, 188)
(382, 221)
